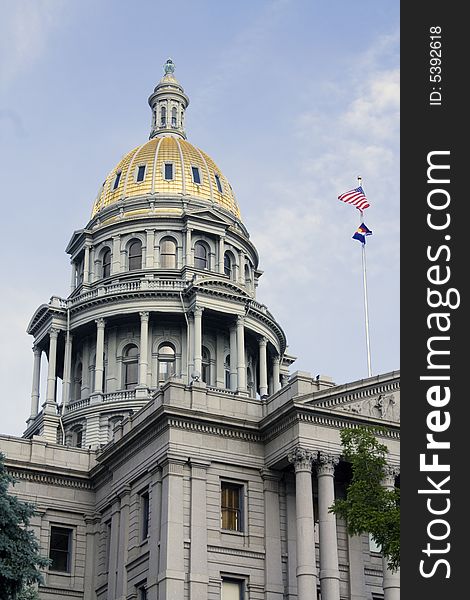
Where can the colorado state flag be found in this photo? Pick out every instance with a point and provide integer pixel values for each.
(361, 233)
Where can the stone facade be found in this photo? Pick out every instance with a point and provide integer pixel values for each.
(183, 462)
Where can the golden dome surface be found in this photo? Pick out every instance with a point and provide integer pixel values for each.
(188, 162)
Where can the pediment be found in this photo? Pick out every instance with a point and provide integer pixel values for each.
(206, 214)
(380, 401)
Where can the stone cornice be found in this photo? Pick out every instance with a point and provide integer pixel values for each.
(26, 474)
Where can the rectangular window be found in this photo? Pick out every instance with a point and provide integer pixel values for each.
(60, 550)
(117, 180)
(232, 589)
(142, 593)
(231, 503)
(168, 171)
(218, 183)
(373, 546)
(145, 514)
(196, 174)
(140, 173)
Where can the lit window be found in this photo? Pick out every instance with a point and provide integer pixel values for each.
(168, 253)
(231, 506)
(163, 116)
(166, 362)
(60, 550)
(106, 263)
(135, 255)
(117, 180)
(131, 366)
(218, 183)
(196, 174)
(140, 173)
(206, 366)
(173, 117)
(145, 513)
(232, 589)
(168, 171)
(200, 256)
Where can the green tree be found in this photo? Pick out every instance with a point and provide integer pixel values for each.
(368, 506)
(20, 561)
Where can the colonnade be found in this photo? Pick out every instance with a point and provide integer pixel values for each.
(305, 462)
(238, 367)
(87, 270)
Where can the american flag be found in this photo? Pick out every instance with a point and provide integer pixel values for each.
(356, 197)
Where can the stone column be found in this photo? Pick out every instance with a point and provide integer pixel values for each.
(116, 264)
(67, 381)
(144, 344)
(198, 340)
(241, 367)
(329, 567)
(150, 255)
(154, 530)
(233, 358)
(50, 404)
(36, 382)
(99, 362)
(86, 265)
(189, 256)
(273, 584)
(198, 572)
(391, 579)
(171, 565)
(306, 564)
(190, 345)
(73, 281)
(90, 556)
(241, 269)
(221, 254)
(263, 368)
(121, 574)
(114, 549)
(219, 361)
(276, 375)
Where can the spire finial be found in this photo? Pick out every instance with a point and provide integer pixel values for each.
(169, 67)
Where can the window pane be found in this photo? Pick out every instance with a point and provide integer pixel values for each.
(141, 173)
(117, 180)
(145, 514)
(132, 371)
(218, 183)
(135, 256)
(227, 265)
(132, 351)
(196, 175)
(168, 254)
(232, 590)
(200, 256)
(231, 507)
(168, 171)
(106, 262)
(59, 551)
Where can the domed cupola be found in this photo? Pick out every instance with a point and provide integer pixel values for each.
(163, 296)
(168, 103)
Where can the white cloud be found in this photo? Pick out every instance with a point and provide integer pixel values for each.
(24, 30)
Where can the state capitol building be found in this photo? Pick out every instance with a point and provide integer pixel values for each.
(187, 460)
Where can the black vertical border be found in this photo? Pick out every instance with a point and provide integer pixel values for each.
(426, 128)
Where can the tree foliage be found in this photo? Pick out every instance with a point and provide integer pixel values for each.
(20, 560)
(368, 506)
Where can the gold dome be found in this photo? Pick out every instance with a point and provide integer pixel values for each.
(153, 155)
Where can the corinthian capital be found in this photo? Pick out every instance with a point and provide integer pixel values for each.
(390, 472)
(301, 458)
(326, 463)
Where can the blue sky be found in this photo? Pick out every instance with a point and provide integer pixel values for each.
(292, 98)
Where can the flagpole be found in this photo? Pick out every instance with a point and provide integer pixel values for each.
(366, 303)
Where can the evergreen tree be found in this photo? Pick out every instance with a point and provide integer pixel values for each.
(368, 506)
(20, 560)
